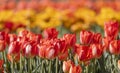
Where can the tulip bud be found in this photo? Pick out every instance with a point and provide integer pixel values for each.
(67, 65)
(119, 64)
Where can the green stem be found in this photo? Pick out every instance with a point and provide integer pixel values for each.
(56, 65)
(12, 66)
(42, 67)
(29, 65)
(20, 63)
(50, 63)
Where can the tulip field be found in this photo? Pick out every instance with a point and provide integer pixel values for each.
(49, 52)
(61, 36)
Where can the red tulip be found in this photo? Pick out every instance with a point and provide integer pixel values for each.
(9, 25)
(84, 53)
(111, 29)
(47, 51)
(2, 45)
(29, 49)
(97, 50)
(114, 47)
(67, 65)
(70, 39)
(23, 33)
(63, 56)
(75, 69)
(97, 38)
(86, 37)
(1, 66)
(50, 33)
(119, 64)
(3, 36)
(11, 38)
(14, 48)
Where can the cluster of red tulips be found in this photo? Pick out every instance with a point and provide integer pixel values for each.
(30, 49)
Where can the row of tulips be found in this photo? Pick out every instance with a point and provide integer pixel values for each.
(74, 20)
(28, 52)
(58, 4)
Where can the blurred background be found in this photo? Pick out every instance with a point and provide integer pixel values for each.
(73, 15)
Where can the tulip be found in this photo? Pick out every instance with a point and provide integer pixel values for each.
(97, 50)
(14, 48)
(23, 33)
(50, 33)
(86, 37)
(114, 47)
(111, 29)
(11, 38)
(119, 64)
(70, 39)
(3, 35)
(83, 53)
(97, 38)
(14, 58)
(1, 66)
(63, 56)
(106, 42)
(75, 69)
(2, 45)
(67, 65)
(29, 49)
(46, 51)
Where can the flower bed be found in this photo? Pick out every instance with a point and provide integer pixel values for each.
(46, 52)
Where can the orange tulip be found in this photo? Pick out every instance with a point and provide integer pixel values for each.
(14, 58)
